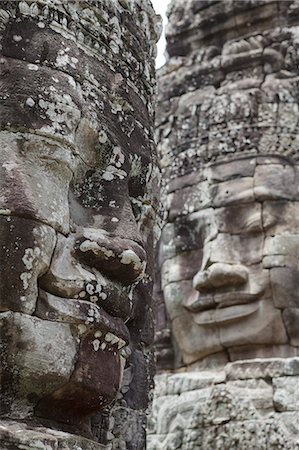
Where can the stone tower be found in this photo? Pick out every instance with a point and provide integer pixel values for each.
(227, 126)
(78, 195)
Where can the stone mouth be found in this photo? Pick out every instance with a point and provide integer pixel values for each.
(225, 300)
(86, 315)
(213, 301)
(93, 288)
(226, 314)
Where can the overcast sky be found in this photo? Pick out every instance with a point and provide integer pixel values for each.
(160, 7)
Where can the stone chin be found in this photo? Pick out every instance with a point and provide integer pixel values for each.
(58, 370)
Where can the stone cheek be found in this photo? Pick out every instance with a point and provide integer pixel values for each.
(26, 361)
(210, 410)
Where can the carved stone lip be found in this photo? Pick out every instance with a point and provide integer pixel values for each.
(113, 299)
(235, 298)
(82, 313)
(225, 315)
(221, 300)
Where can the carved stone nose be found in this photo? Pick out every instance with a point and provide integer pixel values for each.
(220, 275)
(119, 259)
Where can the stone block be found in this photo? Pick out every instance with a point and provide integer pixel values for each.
(231, 170)
(280, 217)
(174, 295)
(275, 181)
(239, 219)
(234, 249)
(262, 368)
(231, 192)
(182, 267)
(30, 168)
(285, 286)
(37, 358)
(19, 435)
(284, 245)
(291, 320)
(194, 340)
(189, 199)
(286, 393)
(264, 326)
(258, 392)
(266, 351)
(271, 261)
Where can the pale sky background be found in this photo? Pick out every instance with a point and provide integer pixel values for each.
(160, 7)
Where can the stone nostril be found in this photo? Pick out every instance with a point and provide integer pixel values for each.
(220, 275)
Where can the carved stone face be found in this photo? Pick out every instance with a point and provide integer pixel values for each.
(227, 121)
(230, 267)
(78, 193)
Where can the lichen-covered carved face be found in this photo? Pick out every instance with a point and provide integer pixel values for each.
(227, 122)
(230, 267)
(78, 194)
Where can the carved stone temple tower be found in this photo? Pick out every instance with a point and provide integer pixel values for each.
(227, 126)
(78, 196)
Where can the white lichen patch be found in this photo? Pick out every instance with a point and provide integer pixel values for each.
(130, 257)
(136, 165)
(96, 345)
(61, 110)
(116, 108)
(82, 328)
(30, 102)
(96, 249)
(113, 170)
(63, 59)
(118, 158)
(5, 212)
(25, 277)
(103, 138)
(30, 256)
(33, 67)
(94, 234)
(10, 165)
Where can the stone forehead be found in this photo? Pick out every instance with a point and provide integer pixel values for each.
(233, 183)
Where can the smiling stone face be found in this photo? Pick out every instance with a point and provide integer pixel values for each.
(227, 127)
(78, 196)
(229, 268)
